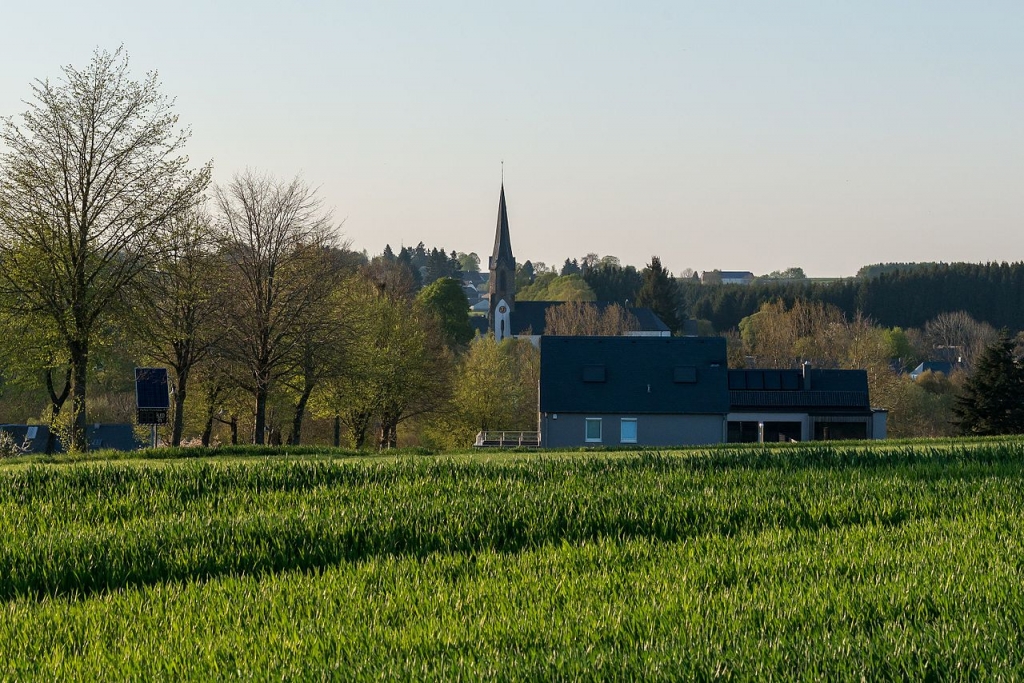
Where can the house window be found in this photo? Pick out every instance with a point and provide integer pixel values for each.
(593, 430)
(627, 430)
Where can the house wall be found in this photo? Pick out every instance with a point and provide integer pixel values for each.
(566, 430)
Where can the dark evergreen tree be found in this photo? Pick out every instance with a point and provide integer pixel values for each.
(388, 254)
(437, 266)
(660, 293)
(611, 282)
(992, 400)
(524, 275)
(405, 257)
(570, 268)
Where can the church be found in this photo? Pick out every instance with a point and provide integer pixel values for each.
(508, 318)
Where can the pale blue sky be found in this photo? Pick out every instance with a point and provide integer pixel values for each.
(741, 136)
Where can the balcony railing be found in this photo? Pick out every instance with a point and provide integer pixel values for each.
(507, 439)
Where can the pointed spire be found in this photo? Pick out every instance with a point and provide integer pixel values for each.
(502, 241)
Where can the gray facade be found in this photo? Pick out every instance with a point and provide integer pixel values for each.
(565, 430)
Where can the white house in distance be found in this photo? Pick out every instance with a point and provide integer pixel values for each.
(727, 277)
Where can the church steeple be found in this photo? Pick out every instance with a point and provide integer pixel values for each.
(502, 286)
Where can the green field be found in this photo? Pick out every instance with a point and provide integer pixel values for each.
(896, 560)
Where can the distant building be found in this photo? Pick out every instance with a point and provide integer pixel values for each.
(942, 366)
(727, 277)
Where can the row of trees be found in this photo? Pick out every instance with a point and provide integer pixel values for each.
(114, 251)
(901, 296)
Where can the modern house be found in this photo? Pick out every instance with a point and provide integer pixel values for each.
(677, 391)
(653, 391)
(507, 317)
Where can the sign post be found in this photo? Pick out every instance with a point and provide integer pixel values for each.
(152, 399)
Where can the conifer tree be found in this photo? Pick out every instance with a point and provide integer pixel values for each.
(992, 400)
(660, 293)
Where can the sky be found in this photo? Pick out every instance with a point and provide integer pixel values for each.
(737, 136)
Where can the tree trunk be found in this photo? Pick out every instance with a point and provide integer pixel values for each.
(300, 411)
(388, 434)
(207, 431)
(260, 426)
(56, 403)
(234, 430)
(211, 412)
(179, 408)
(337, 431)
(79, 353)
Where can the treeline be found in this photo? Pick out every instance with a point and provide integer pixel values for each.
(115, 252)
(990, 292)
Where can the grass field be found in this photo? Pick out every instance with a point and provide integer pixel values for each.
(896, 560)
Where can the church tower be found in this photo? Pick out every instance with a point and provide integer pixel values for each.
(502, 286)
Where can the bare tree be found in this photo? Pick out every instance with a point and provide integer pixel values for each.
(90, 179)
(579, 318)
(959, 338)
(277, 238)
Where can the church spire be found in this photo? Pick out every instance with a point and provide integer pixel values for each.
(502, 242)
(502, 286)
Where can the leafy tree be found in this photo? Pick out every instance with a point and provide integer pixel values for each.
(182, 304)
(660, 293)
(469, 263)
(551, 287)
(89, 182)
(447, 303)
(495, 387)
(794, 273)
(992, 399)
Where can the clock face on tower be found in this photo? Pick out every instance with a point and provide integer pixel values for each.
(502, 309)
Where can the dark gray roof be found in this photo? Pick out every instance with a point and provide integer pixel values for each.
(502, 241)
(529, 316)
(638, 375)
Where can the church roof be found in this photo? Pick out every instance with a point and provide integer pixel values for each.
(502, 241)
